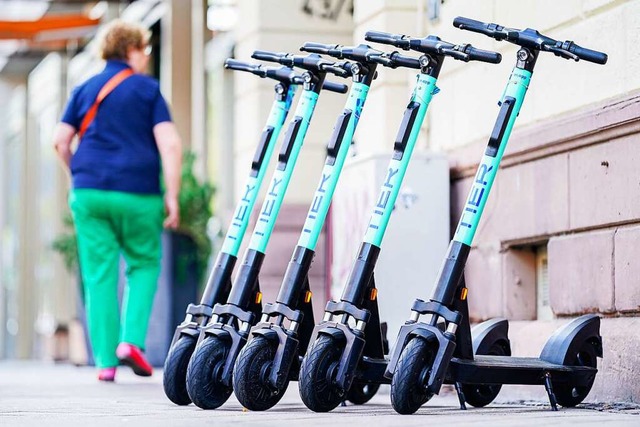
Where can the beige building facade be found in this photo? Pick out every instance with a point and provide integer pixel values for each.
(560, 230)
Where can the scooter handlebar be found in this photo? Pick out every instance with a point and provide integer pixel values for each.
(532, 39)
(588, 54)
(264, 55)
(473, 25)
(483, 55)
(386, 38)
(321, 48)
(400, 60)
(232, 64)
(334, 87)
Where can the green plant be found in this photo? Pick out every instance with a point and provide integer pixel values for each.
(195, 211)
(67, 245)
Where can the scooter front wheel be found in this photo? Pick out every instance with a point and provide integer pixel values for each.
(204, 374)
(568, 395)
(317, 375)
(174, 379)
(408, 386)
(251, 376)
(359, 394)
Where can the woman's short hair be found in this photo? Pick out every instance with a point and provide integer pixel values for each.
(117, 37)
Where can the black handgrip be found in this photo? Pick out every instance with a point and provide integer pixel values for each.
(472, 25)
(483, 55)
(383, 60)
(264, 55)
(334, 87)
(400, 60)
(313, 47)
(232, 64)
(588, 54)
(380, 37)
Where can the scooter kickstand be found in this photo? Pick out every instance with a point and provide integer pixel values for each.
(549, 388)
(461, 398)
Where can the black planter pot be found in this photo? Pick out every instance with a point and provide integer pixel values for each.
(177, 287)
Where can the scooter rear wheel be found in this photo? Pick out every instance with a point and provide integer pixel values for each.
(317, 375)
(568, 395)
(174, 379)
(251, 373)
(479, 395)
(408, 386)
(359, 394)
(204, 374)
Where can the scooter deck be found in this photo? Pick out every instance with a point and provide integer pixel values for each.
(515, 370)
(371, 370)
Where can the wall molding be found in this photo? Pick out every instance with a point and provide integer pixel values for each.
(594, 124)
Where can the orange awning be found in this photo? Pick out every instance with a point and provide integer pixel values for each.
(48, 23)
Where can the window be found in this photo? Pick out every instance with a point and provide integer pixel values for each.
(543, 304)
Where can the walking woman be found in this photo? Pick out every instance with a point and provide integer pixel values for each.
(127, 144)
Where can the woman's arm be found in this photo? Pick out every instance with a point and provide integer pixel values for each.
(62, 138)
(170, 148)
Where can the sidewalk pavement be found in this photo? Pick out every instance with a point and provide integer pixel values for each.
(40, 394)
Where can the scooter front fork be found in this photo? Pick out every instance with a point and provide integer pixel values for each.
(232, 321)
(443, 337)
(216, 291)
(295, 305)
(359, 332)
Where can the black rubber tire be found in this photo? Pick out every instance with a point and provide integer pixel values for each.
(408, 392)
(359, 394)
(479, 395)
(174, 378)
(204, 372)
(317, 372)
(567, 395)
(250, 375)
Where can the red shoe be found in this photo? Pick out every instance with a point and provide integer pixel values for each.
(107, 374)
(133, 357)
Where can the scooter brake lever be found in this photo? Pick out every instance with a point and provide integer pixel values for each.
(381, 59)
(558, 51)
(336, 69)
(455, 54)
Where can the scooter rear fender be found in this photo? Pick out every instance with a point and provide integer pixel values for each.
(566, 341)
(490, 332)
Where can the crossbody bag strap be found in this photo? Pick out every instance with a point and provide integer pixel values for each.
(108, 87)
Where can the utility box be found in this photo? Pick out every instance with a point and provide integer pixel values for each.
(416, 239)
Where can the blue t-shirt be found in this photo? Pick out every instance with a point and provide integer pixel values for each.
(118, 151)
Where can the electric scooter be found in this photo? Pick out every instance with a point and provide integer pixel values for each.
(219, 282)
(347, 346)
(270, 360)
(209, 372)
(441, 347)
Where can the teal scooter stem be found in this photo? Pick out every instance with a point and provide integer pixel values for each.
(441, 347)
(211, 365)
(347, 351)
(287, 324)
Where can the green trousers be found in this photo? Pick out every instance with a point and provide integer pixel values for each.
(108, 224)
